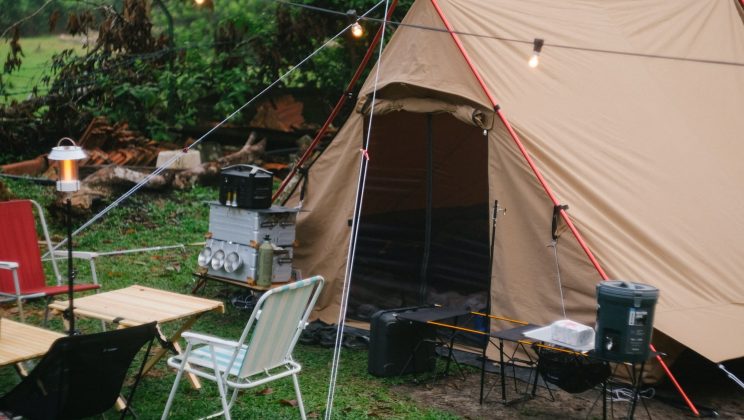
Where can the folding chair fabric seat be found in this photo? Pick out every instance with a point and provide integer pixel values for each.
(202, 356)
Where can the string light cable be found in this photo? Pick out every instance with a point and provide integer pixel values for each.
(185, 150)
(517, 41)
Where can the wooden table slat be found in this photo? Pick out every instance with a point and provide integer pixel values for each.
(20, 342)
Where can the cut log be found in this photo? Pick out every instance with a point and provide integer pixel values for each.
(103, 183)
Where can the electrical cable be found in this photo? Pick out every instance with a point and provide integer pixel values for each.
(522, 41)
(626, 394)
(364, 159)
(177, 156)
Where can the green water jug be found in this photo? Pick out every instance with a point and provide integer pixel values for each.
(265, 263)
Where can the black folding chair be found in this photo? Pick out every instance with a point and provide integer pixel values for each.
(81, 375)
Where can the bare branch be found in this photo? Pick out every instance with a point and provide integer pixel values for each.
(26, 18)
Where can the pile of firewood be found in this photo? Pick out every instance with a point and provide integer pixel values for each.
(126, 147)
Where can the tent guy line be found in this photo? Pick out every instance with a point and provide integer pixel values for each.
(364, 165)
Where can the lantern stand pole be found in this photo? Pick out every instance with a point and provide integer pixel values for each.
(70, 269)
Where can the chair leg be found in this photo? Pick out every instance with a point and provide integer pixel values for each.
(172, 394)
(46, 311)
(179, 374)
(19, 301)
(296, 382)
(234, 396)
(221, 386)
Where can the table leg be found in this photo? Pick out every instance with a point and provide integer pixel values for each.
(174, 340)
(483, 371)
(21, 370)
(636, 388)
(200, 283)
(604, 400)
(502, 367)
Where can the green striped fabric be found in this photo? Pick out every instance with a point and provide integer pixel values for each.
(278, 327)
(202, 356)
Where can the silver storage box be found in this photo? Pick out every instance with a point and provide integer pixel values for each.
(244, 226)
(239, 262)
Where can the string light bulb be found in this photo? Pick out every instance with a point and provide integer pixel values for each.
(537, 45)
(199, 2)
(357, 30)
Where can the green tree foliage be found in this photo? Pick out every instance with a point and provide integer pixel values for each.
(221, 54)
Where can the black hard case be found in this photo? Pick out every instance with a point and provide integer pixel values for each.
(251, 185)
(398, 347)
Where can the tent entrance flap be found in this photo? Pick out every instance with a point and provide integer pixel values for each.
(424, 228)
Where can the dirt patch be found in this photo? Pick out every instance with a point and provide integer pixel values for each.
(461, 397)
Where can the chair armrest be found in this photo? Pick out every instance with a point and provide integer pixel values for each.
(8, 265)
(196, 338)
(14, 296)
(83, 255)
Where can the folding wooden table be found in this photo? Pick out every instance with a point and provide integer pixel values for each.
(21, 342)
(135, 305)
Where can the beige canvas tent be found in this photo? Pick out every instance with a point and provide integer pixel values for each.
(633, 119)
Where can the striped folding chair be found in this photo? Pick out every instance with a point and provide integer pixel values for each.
(262, 354)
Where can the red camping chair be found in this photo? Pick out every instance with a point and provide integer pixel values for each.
(21, 272)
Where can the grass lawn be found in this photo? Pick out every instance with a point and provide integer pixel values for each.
(182, 218)
(37, 58)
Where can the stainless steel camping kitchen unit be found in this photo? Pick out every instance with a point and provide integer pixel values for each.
(231, 252)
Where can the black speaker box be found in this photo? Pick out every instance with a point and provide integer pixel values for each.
(246, 186)
(398, 347)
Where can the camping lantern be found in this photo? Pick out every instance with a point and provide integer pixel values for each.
(68, 157)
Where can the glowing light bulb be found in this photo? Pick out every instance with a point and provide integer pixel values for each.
(537, 45)
(67, 174)
(199, 2)
(357, 30)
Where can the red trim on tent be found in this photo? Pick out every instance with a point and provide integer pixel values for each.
(547, 188)
(519, 144)
(337, 108)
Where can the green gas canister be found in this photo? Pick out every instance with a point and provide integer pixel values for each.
(265, 263)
